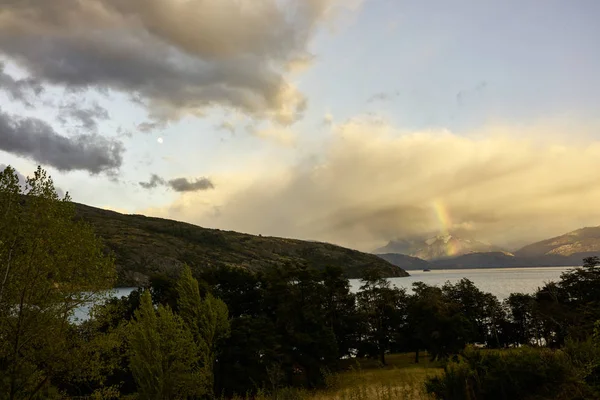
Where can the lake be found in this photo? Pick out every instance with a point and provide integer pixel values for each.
(501, 282)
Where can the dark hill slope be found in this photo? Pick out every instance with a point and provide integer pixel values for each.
(405, 262)
(144, 245)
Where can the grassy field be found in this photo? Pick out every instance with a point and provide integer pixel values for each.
(400, 379)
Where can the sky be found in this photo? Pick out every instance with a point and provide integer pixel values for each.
(348, 121)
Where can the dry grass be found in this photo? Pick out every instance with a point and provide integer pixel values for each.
(400, 379)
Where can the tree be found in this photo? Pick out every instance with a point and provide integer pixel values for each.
(520, 307)
(383, 308)
(436, 323)
(482, 310)
(207, 319)
(162, 354)
(340, 309)
(50, 264)
(293, 299)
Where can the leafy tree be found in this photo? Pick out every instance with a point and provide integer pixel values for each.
(482, 310)
(383, 308)
(207, 319)
(50, 265)
(524, 324)
(436, 323)
(162, 354)
(294, 301)
(340, 310)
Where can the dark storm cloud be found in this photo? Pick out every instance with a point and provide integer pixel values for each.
(178, 184)
(184, 185)
(36, 140)
(19, 89)
(84, 117)
(154, 181)
(177, 58)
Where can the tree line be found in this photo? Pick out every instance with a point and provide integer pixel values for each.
(210, 333)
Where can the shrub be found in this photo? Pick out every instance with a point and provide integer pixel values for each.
(524, 373)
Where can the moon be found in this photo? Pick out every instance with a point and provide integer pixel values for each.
(159, 140)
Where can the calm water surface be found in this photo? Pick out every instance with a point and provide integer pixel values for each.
(501, 282)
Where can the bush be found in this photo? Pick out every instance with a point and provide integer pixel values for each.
(524, 373)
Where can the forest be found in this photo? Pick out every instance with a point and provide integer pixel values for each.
(279, 333)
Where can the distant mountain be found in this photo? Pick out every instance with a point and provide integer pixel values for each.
(437, 247)
(507, 260)
(562, 251)
(581, 241)
(407, 263)
(496, 259)
(143, 246)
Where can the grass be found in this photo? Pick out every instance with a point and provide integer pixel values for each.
(400, 379)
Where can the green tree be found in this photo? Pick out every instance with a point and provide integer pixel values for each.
(482, 310)
(340, 309)
(207, 319)
(436, 323)
(50, 265)
(162, 354)
(383, 309)
(524, 325)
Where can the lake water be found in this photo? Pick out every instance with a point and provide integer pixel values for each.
(501, 282)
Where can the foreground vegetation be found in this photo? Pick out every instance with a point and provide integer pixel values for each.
(283, 332)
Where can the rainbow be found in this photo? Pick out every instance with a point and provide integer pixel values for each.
(445, 224)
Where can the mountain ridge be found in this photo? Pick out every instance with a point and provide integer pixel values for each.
(566, 250)
(435, 247)
(144, 246)
(582, 240)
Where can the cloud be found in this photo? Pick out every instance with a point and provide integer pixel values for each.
(328, 119)
(383, 96)
(150, 126)
(36, 140)
(19, 89)
(180, 185)
(154, 182)
(281, 136)
(177, 58)
(184, 185)
(84, 117)
(226, 126)
(373, 182)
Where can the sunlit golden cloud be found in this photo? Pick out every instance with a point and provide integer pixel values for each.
(373, 182)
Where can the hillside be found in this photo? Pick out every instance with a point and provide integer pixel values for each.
(144, 245)
(581, 241)
(436, 247)
(497, 259)
(407, 263)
